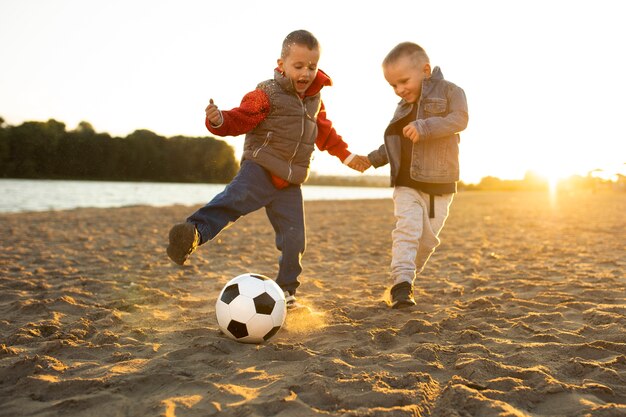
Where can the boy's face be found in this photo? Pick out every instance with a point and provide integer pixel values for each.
(300, 66)
(405, 76)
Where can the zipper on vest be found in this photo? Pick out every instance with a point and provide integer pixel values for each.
(265, 143)
(299, 142)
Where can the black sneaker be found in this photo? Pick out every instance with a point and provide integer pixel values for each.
(290, 300)
(402, 295)
(184, 239)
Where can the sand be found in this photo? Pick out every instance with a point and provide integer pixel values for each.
(521, 312)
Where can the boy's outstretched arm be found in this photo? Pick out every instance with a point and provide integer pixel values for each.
(253, 109)
(378, 157)
(329, 140)
(327, 137)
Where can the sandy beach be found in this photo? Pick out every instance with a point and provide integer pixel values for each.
(521, 312)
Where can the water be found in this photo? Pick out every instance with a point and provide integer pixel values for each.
(42, 195)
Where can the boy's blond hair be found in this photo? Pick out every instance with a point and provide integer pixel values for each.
(412, 50)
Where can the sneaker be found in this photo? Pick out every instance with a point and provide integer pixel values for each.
(184, 239)
(290, 300)
(402, 295)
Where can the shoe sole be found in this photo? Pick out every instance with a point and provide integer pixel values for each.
(403, 304)
(182, 238)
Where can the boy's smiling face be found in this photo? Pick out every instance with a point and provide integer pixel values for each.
(405, 76)
(300, 66)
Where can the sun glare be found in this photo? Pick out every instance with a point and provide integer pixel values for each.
(553, 176)
(553, 182)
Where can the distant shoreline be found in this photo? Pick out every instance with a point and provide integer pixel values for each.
(530, 182)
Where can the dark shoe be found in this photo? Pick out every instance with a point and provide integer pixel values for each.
(184, 239)
(290, 300)
(402, 295)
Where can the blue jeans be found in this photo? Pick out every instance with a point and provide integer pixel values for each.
(250, 190)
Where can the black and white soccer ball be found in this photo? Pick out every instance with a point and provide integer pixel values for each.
(251, 308)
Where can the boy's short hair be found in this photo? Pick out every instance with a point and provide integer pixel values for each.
(299, 37)
(410, 49)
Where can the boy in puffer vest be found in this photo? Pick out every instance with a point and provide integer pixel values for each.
(422, 148)
(283, 119)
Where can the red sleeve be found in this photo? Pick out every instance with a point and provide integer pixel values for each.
(254, 107)
(327, 137)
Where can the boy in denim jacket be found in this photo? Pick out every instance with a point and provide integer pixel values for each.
(421, 145)
(283, 120)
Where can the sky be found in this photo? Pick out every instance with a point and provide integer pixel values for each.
(544, 79)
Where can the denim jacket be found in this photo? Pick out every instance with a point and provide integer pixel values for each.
(441, 115)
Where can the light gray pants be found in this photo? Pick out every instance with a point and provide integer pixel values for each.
(416, 235)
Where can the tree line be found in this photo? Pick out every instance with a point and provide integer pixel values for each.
(46, 150)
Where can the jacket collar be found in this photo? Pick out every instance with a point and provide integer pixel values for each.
(321, 80)
(428, 83)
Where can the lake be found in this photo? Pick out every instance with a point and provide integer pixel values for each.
(43, 195)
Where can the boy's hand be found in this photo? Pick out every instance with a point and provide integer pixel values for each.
(410, 132)
(213, 114)
(360, 163)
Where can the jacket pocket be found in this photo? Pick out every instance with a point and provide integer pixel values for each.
(435, 107)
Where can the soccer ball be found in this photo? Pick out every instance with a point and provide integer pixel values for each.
(251, 308)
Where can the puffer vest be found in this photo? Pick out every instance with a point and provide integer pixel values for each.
(284, 141)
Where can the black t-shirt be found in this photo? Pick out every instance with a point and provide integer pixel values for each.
(404, 173)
